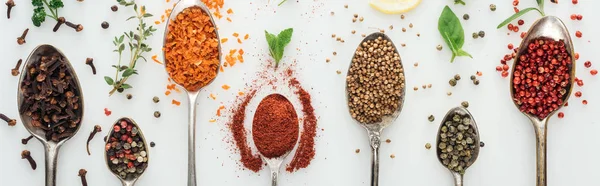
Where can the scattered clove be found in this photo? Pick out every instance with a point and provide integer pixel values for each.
(59, 22)
(11, 122)
(15, 71)
(97, 129)
(24, 141)
(21, 40)
(82, 173)
(10, 4)
(27, 155)
(90, 62)
(77, 27)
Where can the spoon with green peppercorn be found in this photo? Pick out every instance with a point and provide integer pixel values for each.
(129, 167)
(458, 142)
(548, 27)
(375, 101)
(50, 102)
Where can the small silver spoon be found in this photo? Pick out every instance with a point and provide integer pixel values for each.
(275, 162)
(51, 147)
(192, 94)
(127, 181)
(546, 27)
(458, 177)
(374, 130)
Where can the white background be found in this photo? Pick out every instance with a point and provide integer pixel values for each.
(507, 159)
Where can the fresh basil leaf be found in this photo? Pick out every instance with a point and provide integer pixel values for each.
(109, 80)
(463, 53)
(517, 15)
(459, 2)
(450, 24)
(285, 37)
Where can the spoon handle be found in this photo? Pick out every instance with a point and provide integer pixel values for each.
(274, 176)
(51, 152)
(458, 178)
(192, 139)
(541, 129)
(375, 139)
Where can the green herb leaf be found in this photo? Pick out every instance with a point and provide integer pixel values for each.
(451, 30)
(459, 2)
(128, 72)
(540, 4)
(517, 15)
(39, 16)
(277, 43)
(109, 80)
(281, 2)
(126, 86)
(37, 3)
(55, 4)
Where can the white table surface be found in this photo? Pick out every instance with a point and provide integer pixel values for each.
(507, 159)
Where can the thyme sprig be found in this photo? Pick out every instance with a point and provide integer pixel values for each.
(137, 48)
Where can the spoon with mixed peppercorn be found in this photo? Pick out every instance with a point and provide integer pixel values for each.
(458, 142)
(126, 152)
(50, 102)
(375, 88)
(542, 80)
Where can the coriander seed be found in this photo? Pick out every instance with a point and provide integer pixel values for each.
(431, 118)
(410, 25)
(353, 31)
(475, 35)
(155, 99)
(492, 7)
(476, 82)
(452, 82)
(402, 16)
(428, 146)
(416, 88)
(156, 114)
(354, 20)
(465, 104)
(391, 27)
(439, 47)
(457, 77)
(481, 34)
(355, 15)
(361, 19)
(473, 77)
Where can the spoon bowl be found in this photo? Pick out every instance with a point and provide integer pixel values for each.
(192, 94)
(374, 130)
(458, 177)
(553, 28)
(51, 147)
(129, 181)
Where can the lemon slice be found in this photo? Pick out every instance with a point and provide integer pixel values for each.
(394, 6)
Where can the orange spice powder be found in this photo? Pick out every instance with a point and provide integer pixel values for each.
(192, 49)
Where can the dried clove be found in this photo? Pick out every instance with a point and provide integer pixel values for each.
(24, 141)
(10, 4)
(97, 129)
(90, 62)
(11, 122)
(59, 22)
(21, 40)
(15, 71)
(82, 173)
(27, 155)
(77, 27)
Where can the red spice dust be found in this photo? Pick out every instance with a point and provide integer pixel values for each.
(275, 126)
(249, 160)
(306, 147)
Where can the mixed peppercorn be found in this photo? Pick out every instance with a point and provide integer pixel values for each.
(126, 151)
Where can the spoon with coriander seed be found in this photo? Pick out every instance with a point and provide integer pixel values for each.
(458, 142)
(275, 131)
(50, 102)
(125, 136)
(191, 60)
(375, 88)
(542, 80)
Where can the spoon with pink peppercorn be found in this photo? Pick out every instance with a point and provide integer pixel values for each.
(126, 152)
(542, 80)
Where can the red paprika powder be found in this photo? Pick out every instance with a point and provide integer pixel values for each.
(275, 126)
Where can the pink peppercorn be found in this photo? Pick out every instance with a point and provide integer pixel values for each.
(578, 94)
(573, 16)
(578, 34)
(561, 115)
(520, 22)
(498, 68)
(594, 72)
(515, 2)
(117, 128)
(580, 83)
(504, 73)
(584, 102)
(575, 2)
(510, 46)
(123, 124)
(587, 64)
(516, 29)
(505, 67)
(510, 26)
(576, 56)
(523, 34)
(579, 17)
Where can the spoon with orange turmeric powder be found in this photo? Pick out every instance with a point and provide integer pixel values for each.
(192, 54)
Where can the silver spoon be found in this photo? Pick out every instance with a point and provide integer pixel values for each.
(51, 148)
(458, 177)
(547, 27)
(131, 180)
(192, 94)
(274, 163)
(374, 130)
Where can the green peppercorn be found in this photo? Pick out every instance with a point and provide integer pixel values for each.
(475, 35)
(156, 99)
(481, 144)
(473, 77)
(439, 47)
(157, 114)
(481, 34)
(492, 7)
(129, 96)
(452, 82)
(428, 146)
(465, 104)
(457, 77)
(431, 118)
(466, 16)
(476, 82)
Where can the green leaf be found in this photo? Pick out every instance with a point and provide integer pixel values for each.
(130, 18)
(128, 72)
(121, 38)
(451, 29)
(39, 16)
(281, 2)
(121, 48)
(126, 86)
(37, 3)
(463, 53)
(540, 4)
(147, 15)
(459, 2)
(516, 15)
(278, 43)
(109, 80)
(55, 4)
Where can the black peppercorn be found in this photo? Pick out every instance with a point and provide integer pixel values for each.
(157, 114)
(156, 99)
(104, 25)
(466, 16)
(129, 96)
(152, 144)
(114, 8)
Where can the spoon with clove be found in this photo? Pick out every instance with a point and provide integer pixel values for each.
(375, 129)
(53, 131)
(458, 142)
(128, 175)
(192, 94)
(548, 27)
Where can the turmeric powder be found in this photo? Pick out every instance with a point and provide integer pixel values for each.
(192, 49)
